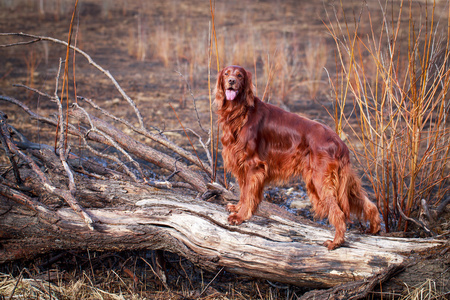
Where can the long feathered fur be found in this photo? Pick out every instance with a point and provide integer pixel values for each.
(263, 143)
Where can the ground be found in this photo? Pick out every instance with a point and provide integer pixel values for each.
(158, 53)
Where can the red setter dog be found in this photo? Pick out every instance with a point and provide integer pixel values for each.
(263, 143)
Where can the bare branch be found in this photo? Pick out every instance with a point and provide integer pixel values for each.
(61, 151)
(47, 186)
(205, 146)
(21, 43)
(35, 91)
(91, 62)
(418, 223)
(114, 144)
(140, 150)
(29, 202)
(147, 153)
(155, 137)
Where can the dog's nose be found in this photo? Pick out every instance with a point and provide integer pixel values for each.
(231, 81)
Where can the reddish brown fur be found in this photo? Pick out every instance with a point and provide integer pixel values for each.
(263, 143)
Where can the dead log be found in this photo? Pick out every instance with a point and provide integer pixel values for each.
(274, 245)
(129, 214)
(278, 250)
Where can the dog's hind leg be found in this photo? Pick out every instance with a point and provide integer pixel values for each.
(372, 215)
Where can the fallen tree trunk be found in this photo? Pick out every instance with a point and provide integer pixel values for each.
(274, 245)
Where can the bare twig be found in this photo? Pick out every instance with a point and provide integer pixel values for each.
(163, 281)
(21, 43)
(211, 130)
(175, 171)
(63, 151)
(35, 91)
(15, 286)
(204, 145)
(125, 122)
(56, 99)
(212, 280)
(418, 223)
(109, 157)
(38, 117)
(65, 86)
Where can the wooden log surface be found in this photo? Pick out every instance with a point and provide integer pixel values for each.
(274, 246)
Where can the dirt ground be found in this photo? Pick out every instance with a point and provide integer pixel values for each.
(158, 53)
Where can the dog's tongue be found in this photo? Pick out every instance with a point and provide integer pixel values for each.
(230, 94)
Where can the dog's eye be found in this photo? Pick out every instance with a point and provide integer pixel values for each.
(226, 74)
(239, 75)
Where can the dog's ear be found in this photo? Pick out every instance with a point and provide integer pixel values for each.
(249, 94)
(219, 91)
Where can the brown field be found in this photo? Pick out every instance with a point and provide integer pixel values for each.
(158, 52)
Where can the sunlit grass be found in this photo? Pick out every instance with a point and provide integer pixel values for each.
(396, 81)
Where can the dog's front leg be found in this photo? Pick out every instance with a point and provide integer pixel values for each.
(252, 185)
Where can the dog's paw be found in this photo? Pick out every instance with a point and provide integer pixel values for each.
(330, 245)
(234, 219)
(373, 230)
(232, 208)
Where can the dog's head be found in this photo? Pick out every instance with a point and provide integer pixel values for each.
(234, 83)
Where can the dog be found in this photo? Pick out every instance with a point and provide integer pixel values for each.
(263, 143)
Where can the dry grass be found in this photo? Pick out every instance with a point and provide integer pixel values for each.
(424, 291)
(129, 275)
(398, 79)
(118, 276)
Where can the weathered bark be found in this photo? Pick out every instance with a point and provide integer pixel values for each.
(353, 290)
(274, 245)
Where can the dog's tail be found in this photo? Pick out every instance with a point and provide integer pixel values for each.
(353, 199)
